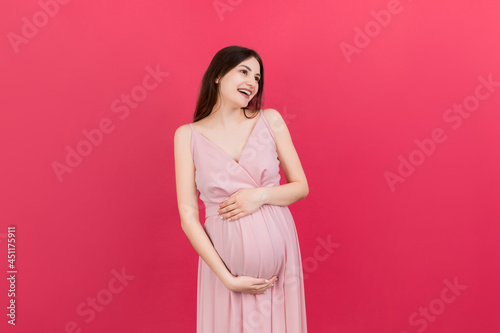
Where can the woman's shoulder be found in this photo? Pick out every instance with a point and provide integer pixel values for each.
(183, 128)
(183, 133)
(270, 113)
(274, 119)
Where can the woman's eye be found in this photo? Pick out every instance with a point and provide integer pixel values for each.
(244, 71)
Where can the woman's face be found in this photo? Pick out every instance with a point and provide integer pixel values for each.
(240, 84)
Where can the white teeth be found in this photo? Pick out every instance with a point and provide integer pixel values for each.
(246, 92)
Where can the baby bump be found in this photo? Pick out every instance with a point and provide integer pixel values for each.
(250, 246)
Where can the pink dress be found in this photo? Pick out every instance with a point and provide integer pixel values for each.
(262, 244)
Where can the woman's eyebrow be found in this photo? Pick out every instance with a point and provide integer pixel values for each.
(249, 69)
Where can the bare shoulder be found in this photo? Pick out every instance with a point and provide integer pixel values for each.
(271, 115)
(276, 121)
(182, 133)
(182, 142)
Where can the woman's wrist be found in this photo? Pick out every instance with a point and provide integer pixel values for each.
(228, 281)
(264, 195)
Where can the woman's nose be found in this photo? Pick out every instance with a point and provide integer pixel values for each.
(252, 82)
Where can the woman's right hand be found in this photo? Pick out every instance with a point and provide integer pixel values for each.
(250, 285)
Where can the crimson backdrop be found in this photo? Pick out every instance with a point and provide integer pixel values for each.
(393, 107)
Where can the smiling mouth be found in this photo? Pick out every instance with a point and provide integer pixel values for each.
(244, 92)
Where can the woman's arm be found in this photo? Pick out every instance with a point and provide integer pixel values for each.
(296, 187)
(187, 202)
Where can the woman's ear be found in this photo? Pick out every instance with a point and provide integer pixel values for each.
(217, 80)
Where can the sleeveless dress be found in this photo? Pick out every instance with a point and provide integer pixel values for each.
(262, 244)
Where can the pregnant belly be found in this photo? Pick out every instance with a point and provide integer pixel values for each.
(255, 245)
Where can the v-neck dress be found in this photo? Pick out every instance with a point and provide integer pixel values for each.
(262, 244)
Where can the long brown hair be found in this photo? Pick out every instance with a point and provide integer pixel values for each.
(223, 61)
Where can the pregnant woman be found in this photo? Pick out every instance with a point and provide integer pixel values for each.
(250, 270)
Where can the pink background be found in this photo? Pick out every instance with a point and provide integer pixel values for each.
(357, 89)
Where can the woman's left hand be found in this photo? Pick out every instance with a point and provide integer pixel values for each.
(241, 203)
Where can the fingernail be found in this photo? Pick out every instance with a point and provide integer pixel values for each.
(267, 281)
(272, 285)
